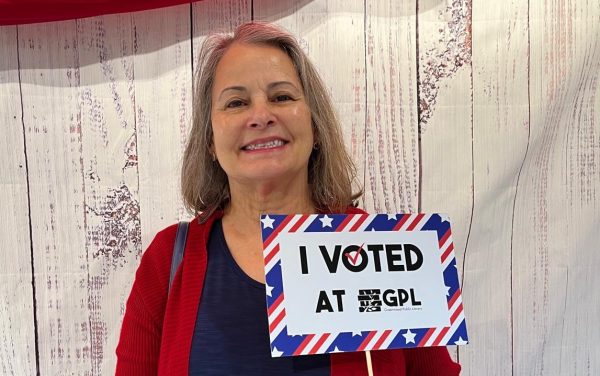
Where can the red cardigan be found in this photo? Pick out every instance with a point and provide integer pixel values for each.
(156, 335)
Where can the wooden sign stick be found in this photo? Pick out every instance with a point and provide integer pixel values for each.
(369, 363)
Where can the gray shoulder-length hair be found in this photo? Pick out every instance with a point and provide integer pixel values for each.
(331, 172)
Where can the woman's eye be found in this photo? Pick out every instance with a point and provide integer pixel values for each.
(234, 103)
(282, 98)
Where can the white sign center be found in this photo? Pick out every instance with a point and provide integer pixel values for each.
(362, 281)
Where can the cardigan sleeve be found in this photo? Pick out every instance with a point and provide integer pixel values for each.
(139, 344)
(430, 361)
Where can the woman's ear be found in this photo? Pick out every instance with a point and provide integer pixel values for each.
(211, 150)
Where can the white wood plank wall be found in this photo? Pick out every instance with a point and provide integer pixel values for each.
(486, 110)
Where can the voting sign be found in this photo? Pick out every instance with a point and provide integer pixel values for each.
(360, 282)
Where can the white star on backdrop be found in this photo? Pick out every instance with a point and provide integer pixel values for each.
(267, 222)
(325, 221)
(276, 353)
(269, 290)
(356, 334)
(447, 290)
(460, 341)
(409, 336)
(335, 350)
(392, 216)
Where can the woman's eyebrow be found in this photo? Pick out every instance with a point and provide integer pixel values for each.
(273, 85)
(231, 88)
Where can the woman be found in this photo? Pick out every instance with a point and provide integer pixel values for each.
(265, 139)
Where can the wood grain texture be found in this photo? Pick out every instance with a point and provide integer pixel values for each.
(217, 16)
(391, 131)
(52, 119)
(163, 96)
(556, 307)
(17, 353)
(332, 34)
(500, 134)
(446, 123)
(110, 176)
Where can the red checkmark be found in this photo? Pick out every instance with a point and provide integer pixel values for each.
(356, 254)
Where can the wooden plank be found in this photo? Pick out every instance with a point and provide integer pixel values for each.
(163, 83)
(217, 16)
(500, 131)
(556, 304)
(109, 163)
(332, 34)
(17, 353)
(392, 150)
(446, 124)
(51, 114)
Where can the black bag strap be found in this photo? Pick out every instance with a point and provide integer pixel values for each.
(178, 248)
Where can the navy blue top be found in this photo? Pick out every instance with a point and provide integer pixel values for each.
(231, 336)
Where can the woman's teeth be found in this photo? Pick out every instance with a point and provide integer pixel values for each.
(266, 145)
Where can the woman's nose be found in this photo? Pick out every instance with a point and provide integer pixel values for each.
(261, 115)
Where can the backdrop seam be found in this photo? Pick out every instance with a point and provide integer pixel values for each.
(35, 320)
(512, 232)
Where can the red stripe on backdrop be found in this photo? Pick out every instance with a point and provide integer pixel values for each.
(14, 12)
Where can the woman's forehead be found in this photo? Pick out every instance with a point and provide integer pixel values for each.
(243, 61)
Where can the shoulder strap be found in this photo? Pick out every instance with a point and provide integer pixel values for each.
(178, 249)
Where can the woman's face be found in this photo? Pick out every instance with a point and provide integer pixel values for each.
(260, 119)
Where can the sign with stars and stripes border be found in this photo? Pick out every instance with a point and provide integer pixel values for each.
(360, 282)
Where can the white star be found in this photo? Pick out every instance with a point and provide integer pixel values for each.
(269, 289)
(356, 334)
(460, 341)
(445, 217)
(392, 216)
(267, 222)
(325, 221)
(373, 229)
(276, 353)
(447, 290)
(335, 350)
(409, 337)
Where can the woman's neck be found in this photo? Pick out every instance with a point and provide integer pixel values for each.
(248, 203)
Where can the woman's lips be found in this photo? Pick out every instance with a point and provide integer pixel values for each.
(264, 144)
